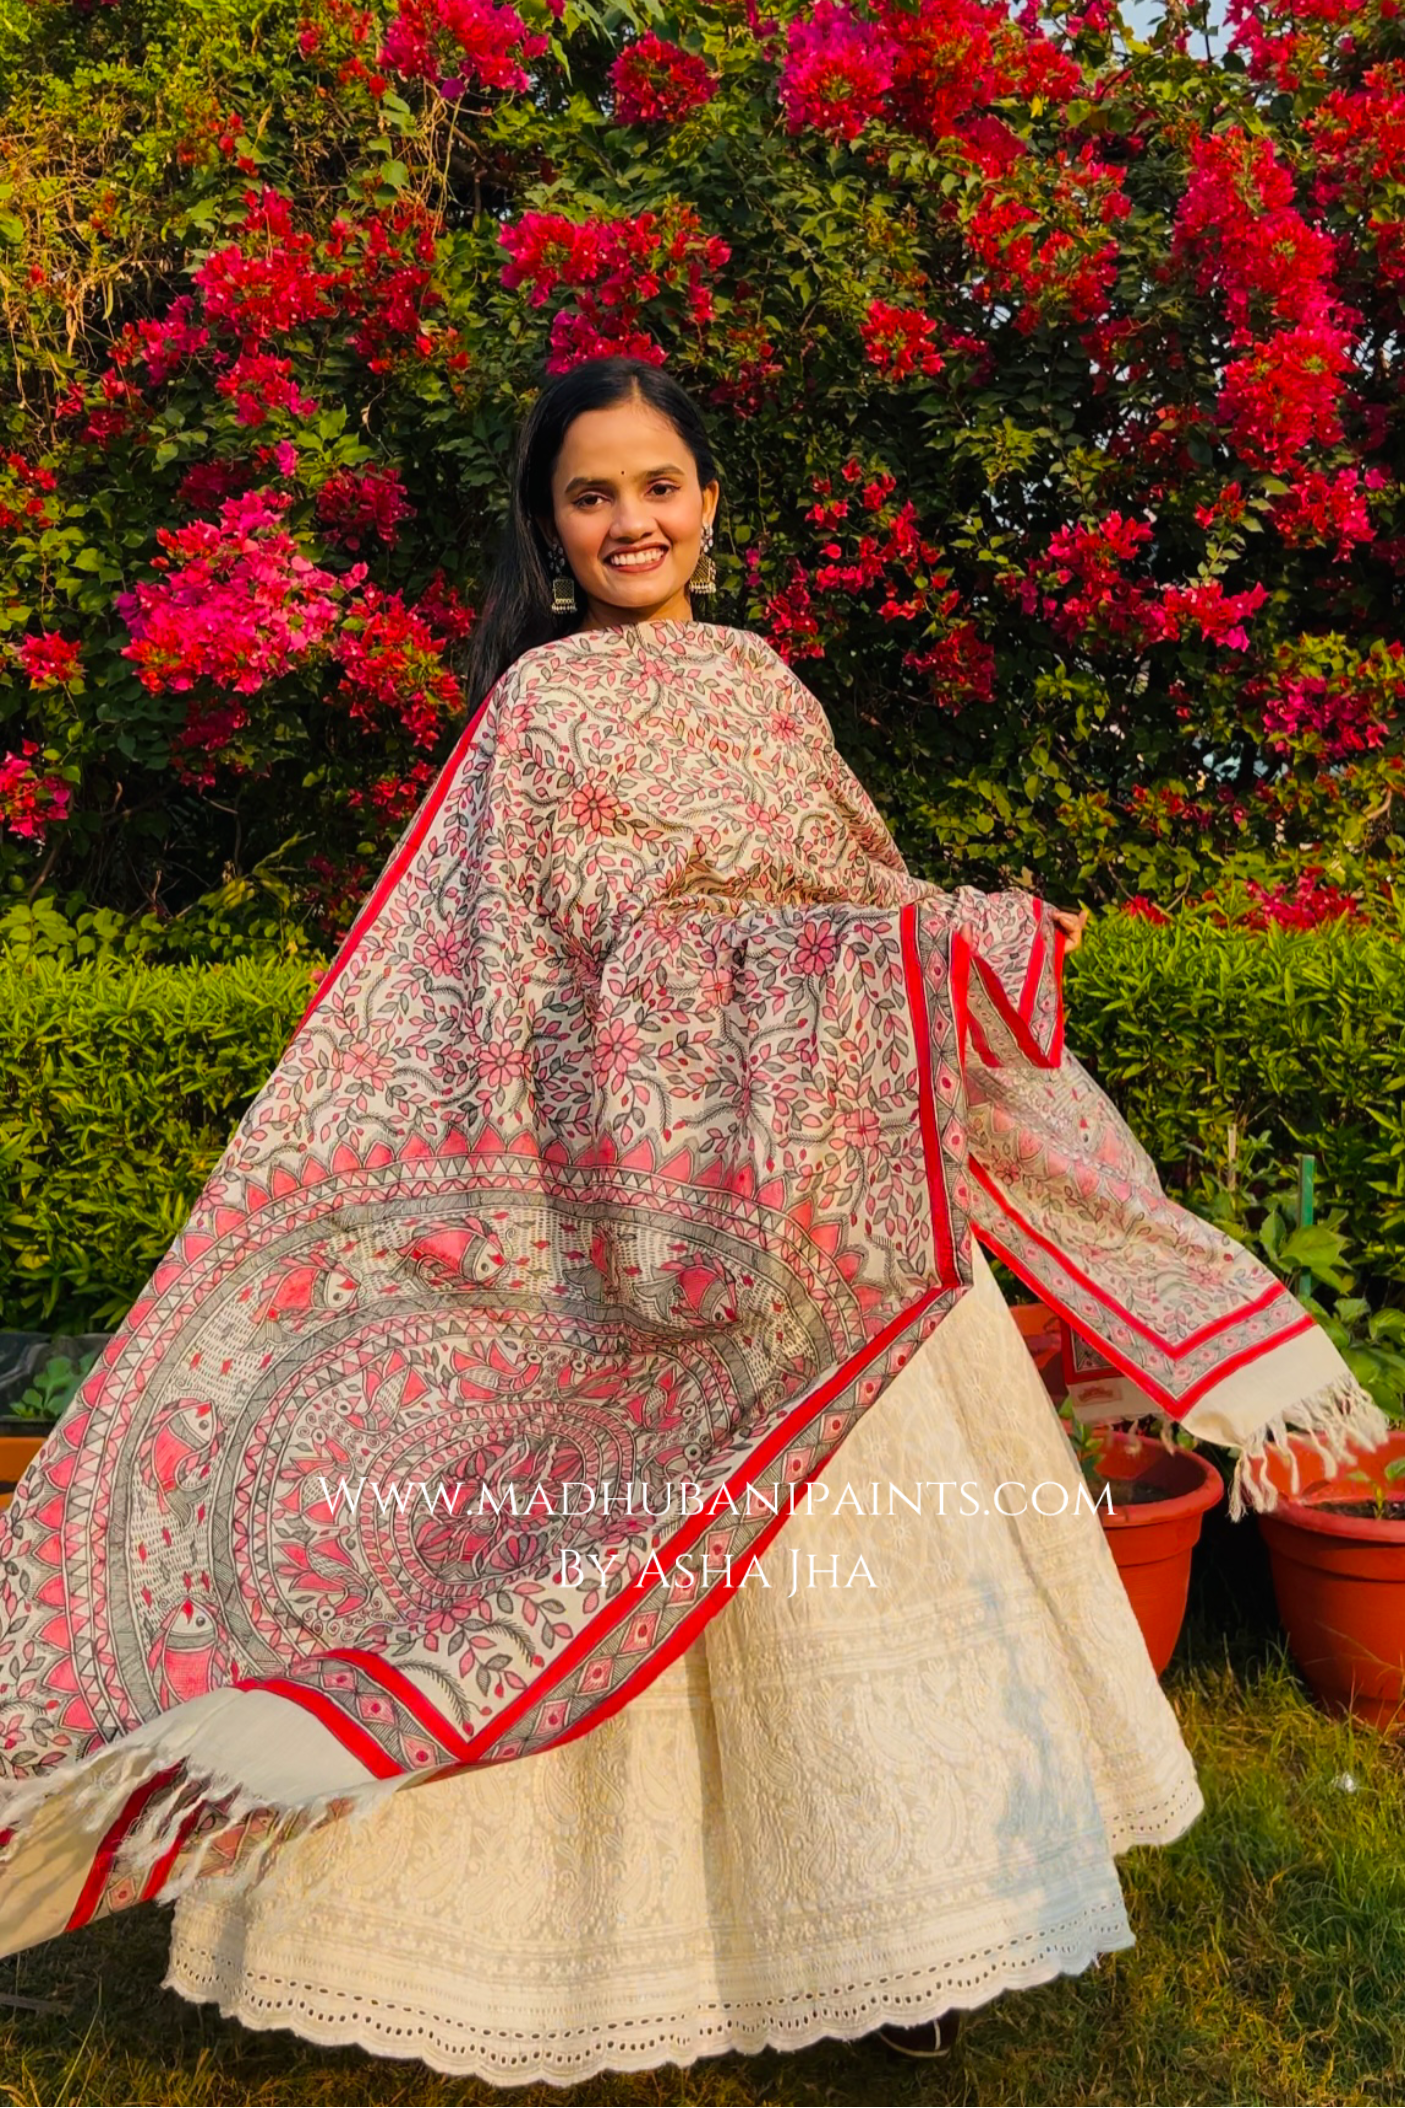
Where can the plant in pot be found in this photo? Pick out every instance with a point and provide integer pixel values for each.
(38, 1379)
(1336, 1539)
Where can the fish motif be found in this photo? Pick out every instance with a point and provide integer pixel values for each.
(180, 1447)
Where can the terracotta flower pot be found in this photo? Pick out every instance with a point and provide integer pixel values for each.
(1152, 1536)
(16, 1453)
(1039, 1329)
(1340, 1581)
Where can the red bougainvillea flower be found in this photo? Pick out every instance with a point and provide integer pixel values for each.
(1320, 509)
(1351, 710)
(266, 282)
(24, 492)
(751, 369)
(445, 610)
(460, 44)
(1105, 607)
(258, 382)
(790, 618)
(1220, 616)
(1040, 238)
(393, 798)
(164, 343)
(356, 504)
(1238, 229)
(960, 668)
(953, 58)
(51, 661)
(613, 267)
(392, 663)
(837, 71)
(207, 484)
(1358, 135)
(29, 799)
(587, 335)
(1143, 910)
(1285, 41)
(656, 82)
(1299, 906)
(899, 340)
(1285, 394)
(240, 605)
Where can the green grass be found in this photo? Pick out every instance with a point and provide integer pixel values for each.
(1269, 1964)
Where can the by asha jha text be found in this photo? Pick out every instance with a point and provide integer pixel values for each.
(585, 1569)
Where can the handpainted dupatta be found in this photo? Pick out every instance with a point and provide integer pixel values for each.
(634, 1139)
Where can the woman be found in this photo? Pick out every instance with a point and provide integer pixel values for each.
(633, 1144)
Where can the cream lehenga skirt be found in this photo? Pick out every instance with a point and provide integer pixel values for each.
(843, 1804)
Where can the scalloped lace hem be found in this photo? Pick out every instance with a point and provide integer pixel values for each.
(843, 2012)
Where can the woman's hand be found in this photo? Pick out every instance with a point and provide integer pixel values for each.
(1072, 926)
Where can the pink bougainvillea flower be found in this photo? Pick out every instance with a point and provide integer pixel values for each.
(837, 70)
(461, 44)
(656, 82)
(240, 603)
(30, 799)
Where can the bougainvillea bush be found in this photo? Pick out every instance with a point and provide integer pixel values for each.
(1055, 376)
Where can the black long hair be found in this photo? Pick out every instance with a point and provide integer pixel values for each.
(516, 611)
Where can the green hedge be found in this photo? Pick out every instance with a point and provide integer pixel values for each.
(1298, 1035)
(119, 1088)
(121, 1084)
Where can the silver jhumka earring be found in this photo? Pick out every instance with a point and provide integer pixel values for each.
(563, 584)
(704, 578)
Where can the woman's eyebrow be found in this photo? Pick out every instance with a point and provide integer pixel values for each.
(670, 468)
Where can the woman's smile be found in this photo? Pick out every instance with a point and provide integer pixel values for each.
(637, 559)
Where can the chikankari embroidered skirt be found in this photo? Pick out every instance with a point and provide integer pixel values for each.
(844, 1804)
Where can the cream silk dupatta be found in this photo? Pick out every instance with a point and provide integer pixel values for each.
(632, 1143)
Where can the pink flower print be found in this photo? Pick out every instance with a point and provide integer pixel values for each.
(500, 1062)
(617, 1047)
(593, 808)
(373, 1065)
(859, 1129)
(816, 950)
(440, 951)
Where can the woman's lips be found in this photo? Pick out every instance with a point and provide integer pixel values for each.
(632, 560)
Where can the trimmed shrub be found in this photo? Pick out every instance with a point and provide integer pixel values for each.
(123, 1084)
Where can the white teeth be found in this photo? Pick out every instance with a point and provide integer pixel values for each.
(641, 562)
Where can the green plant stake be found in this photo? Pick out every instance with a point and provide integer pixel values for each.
(1307, 1167)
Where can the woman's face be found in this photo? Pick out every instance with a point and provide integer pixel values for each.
(629, 512)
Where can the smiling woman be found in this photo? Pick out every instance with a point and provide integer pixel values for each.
(630, 523)
(637, 1142)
